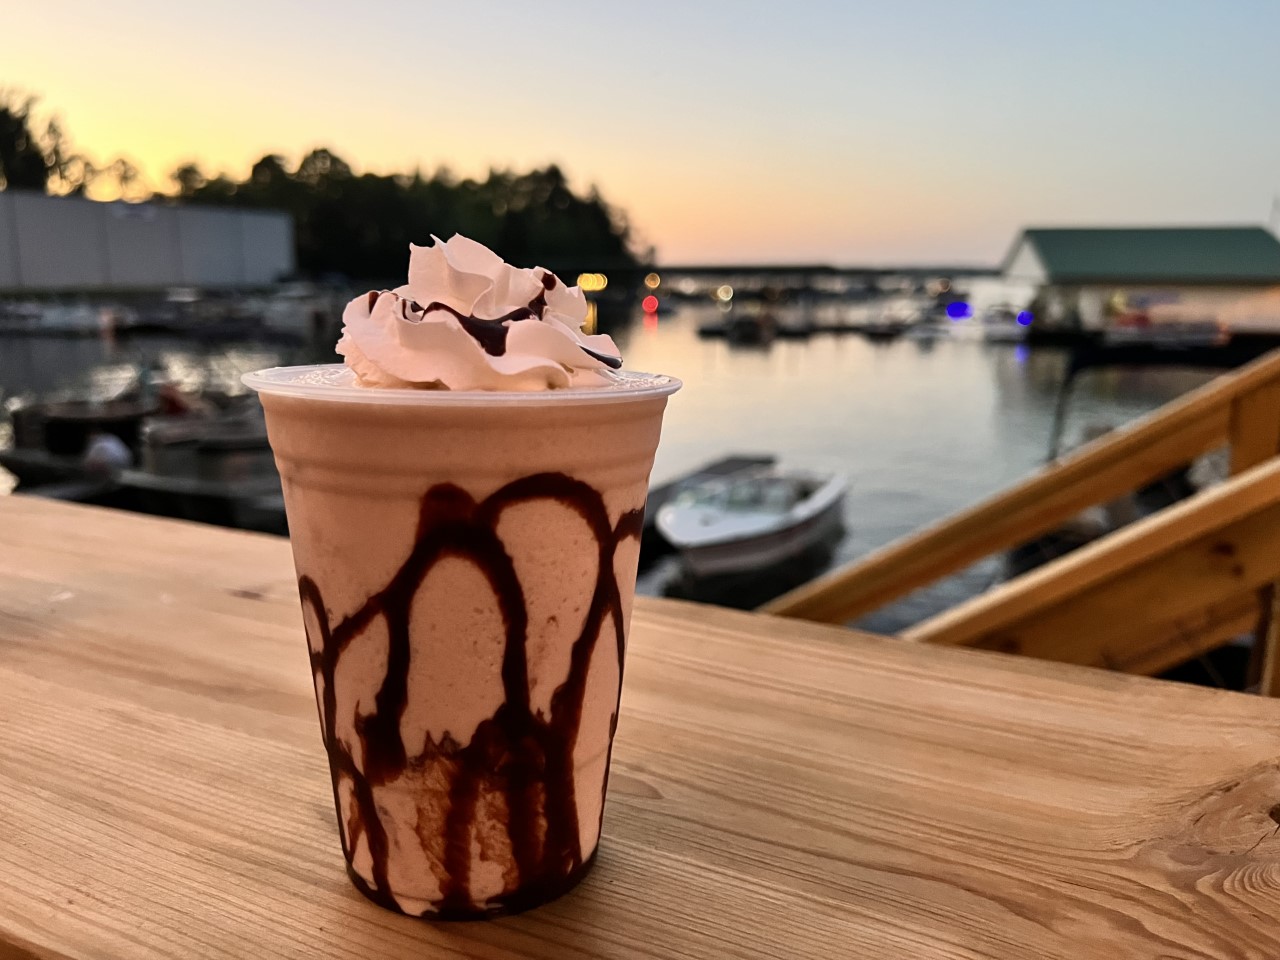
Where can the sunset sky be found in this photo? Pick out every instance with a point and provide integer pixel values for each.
(850, 132)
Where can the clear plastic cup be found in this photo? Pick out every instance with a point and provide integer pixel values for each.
(466, 563)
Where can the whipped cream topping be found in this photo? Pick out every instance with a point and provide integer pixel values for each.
(467, 320)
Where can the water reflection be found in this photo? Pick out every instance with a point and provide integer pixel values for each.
(41, 366)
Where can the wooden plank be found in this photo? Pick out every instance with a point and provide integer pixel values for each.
(1167, 643)
(1155, 646)
(1107, 468)
(1255, 427)
(780, 789)
(1107, 603)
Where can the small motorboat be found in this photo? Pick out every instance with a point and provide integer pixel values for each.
(1005, 324)
(754, 329)
(211, 463)
(753, 520)
(894, 320)
(884, 331)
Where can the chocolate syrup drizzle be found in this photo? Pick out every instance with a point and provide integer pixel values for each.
(490, 334)
(526, 758)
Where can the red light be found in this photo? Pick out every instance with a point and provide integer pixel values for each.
(649, 304)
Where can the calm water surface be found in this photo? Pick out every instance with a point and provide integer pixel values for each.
(921, 429)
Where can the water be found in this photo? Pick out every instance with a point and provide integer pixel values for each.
(39, 366)
(921, 429)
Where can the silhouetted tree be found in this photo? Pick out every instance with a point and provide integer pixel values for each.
(70, 172)
(362, 225)
(130, 183)
(320, 167)
(22, 158)
(189, 180)
(357, 225)
(269, 172)
(35, 158)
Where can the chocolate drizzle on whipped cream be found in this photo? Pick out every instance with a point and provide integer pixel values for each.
(467, 320)
(491, 335)
(519, 755)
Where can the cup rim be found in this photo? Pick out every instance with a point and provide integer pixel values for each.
(334, 382)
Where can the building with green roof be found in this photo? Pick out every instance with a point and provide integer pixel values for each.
(1098, 276)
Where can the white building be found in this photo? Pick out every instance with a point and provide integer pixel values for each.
(69, 244)
(1097, 278)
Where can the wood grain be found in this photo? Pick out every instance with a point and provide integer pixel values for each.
(1228, 408)
(780, 789)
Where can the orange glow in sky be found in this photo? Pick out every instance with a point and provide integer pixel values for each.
(843, 132)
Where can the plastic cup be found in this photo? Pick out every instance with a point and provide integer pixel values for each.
(466, 564)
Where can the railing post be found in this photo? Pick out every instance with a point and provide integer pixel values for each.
(1266, 650)
(1255, 427)
(1255, 437)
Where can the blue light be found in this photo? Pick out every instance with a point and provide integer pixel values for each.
(958, 310)
(1025, 318)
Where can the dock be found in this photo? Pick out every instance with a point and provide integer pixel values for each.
(250, 503)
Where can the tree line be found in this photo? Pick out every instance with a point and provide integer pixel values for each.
(354, 225)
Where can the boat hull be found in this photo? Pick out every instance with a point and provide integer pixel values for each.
(755, 552)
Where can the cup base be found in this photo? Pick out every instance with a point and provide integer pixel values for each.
(513, 903)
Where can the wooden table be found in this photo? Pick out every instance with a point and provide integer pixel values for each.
(779, 790)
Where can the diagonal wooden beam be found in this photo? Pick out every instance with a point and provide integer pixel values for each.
(1116, 601)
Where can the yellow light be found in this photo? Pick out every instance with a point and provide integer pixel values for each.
(592, 282)
(589, 324)
(652, 281)
(725, 293)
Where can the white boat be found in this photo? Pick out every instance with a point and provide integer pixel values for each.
(753, 520)
(895, 318)
(63, 318)
(995, 326)
(1005, 324)
(300, 308)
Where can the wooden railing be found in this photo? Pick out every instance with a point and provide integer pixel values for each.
(1145, 598)
(1241, 409)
